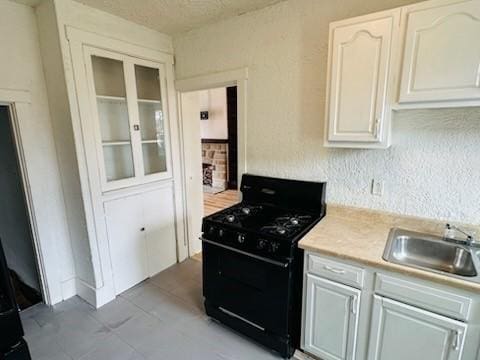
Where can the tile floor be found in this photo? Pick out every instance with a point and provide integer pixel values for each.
(161, 318)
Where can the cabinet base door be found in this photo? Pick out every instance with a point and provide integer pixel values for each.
(126, 236)
(331, 319)
(401, 332)
(159, 215)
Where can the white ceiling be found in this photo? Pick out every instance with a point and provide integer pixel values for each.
(175, 16)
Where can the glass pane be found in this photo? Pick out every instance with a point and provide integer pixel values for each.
(148, 83)
(113, 117)
(154, 158)
(109, 77)
(151, 120)
(118, 161)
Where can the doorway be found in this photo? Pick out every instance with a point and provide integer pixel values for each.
(216, 111)
(218, 132)
(212, 110)
(15, 226)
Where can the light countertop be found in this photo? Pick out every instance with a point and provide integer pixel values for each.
(360, 235)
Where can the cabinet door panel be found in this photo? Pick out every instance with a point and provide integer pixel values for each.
(360, 62)
(331, 319)
(442, 53)
(402, 332)
(159, 218)
(128, 249)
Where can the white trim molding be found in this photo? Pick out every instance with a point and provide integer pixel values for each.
(209, 81)
(8, 96)
(235, 77)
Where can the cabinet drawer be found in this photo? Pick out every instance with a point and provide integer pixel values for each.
(423, 296)
(336, 271)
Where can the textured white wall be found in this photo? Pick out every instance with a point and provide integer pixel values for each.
(215, 102)
(21, 68)
(433, 167)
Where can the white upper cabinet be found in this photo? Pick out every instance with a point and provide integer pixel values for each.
(441, 58)
(128, 117)
(360, 80)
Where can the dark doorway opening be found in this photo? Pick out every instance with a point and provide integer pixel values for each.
(15, 226)
(232, 137)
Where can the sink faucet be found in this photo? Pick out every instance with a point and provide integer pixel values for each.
(470, 240)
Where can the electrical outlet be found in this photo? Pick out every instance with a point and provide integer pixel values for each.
(377, 187)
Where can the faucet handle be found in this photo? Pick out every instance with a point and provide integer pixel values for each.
(451, 231)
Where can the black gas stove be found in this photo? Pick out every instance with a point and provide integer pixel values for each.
(252, 266)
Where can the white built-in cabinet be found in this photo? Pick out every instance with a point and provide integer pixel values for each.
(360, 70)
(441, 58)
(331, 327)
(400, 331)
(426, 55)
(128, 152)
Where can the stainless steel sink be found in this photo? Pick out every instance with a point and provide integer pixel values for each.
(432, 253)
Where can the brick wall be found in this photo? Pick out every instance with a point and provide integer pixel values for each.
(216, 155)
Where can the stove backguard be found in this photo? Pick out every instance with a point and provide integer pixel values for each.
(288, 194)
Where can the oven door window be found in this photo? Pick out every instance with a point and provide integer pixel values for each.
(253, 289)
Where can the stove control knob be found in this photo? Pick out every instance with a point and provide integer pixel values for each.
(211, 229)
(262, 244)
(274, 246)
(241, 238)
(221, 232)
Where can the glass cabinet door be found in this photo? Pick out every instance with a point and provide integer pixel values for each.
(109, 80)
(131, 128)
(152, 120)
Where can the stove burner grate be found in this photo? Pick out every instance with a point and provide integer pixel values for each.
(287, 225)
(239, 213)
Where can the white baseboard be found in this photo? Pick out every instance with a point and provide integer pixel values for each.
(96, 297)
(69, 288)
(300, 355)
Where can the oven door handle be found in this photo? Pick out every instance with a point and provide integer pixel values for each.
(261, 258)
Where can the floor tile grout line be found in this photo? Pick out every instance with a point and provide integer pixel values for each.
(149, 313)
(97, 346)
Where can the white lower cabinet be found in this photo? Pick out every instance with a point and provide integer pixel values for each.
(331, 319)
(141, 235)
(389, 316)
(400, 332)
(127, 241)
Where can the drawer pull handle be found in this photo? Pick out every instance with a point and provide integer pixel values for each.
(353, 305)
(334, 270)
(456, 340)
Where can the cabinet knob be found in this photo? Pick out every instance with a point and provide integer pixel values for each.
(142, 229)
(136, 127)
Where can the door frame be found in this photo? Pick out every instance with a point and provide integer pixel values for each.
(18, 103)
(238, 78)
